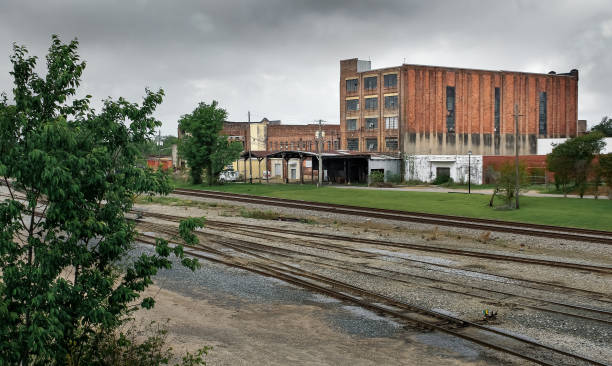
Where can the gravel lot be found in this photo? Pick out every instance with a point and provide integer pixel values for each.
(578, 335)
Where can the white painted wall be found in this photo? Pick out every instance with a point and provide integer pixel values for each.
(545, 146)
(423, 167)
(391, 166)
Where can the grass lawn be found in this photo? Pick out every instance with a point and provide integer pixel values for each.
(584, 213)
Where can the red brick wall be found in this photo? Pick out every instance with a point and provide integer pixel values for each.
(422, 98)
(424, 88)
(301, 137)
(238, 129)
(531, 162)
(348, 69)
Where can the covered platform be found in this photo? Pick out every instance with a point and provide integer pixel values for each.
(338, 166)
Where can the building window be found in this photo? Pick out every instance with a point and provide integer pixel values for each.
(372, 144)
(391, 123)
(391, 102)
(497, 105)
(336, 144)
(328, 145)
(352, 85)
(352, 105)
(442, 172)
(369, 83)
(450, 109)
(371, 123)
(390, 80)
(391, 143)
(352, 144)
(542, 121)
(371, 103)
(351, 124)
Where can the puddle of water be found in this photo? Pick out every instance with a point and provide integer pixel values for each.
(367, 314)
(324, 299)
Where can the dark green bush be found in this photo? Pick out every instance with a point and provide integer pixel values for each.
(441, 179)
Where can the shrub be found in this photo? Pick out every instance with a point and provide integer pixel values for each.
(394, 178)
(441, 179)
(376, 177)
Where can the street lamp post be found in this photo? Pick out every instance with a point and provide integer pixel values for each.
(470, 172)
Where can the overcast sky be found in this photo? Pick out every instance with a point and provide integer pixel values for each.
(280, 58)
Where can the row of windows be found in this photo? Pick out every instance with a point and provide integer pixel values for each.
(391, 102)
(372, 123)
(450, 109)
(304, 145)
(371, 144)
(371, 83)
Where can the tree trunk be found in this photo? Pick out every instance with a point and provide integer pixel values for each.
(196, 175)
(209, 174)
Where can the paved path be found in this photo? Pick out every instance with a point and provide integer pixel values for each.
(437, 189)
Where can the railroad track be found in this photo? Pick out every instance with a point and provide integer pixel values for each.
(557, 232)
(427, 248)
(229, 253)
(540, 303)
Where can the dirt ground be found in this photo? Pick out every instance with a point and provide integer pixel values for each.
(282, 334)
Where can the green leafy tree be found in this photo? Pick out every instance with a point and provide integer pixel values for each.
(572, 160)
(71, 176)
(605, 170)
(203, 147)
(604, 127)
(506, 184)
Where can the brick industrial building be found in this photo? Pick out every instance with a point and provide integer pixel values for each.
(267, 135)
(442, 110)
(422, 121)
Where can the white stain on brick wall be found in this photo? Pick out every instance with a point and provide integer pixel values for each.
(425, 168)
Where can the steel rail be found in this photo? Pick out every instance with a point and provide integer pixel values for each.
(435, 249)
(569, 233)
(211, 223)
(532, 298)
(244, 246)
(328, 286)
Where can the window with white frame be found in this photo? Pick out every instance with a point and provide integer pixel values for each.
(391, 123)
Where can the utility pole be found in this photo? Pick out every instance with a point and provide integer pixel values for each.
(250, 161)
(516, 150)
(159, 145)
(320, 151)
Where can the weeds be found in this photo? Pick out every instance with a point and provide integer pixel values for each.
(434, 234)
(484, 237)
(257, 214)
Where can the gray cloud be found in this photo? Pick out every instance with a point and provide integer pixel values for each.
(279, 58)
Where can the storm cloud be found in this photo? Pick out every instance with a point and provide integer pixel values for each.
(280, 58)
